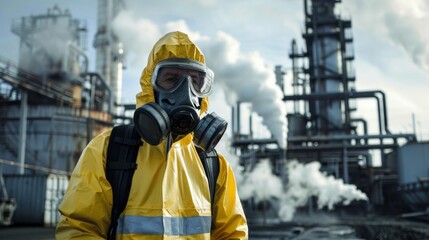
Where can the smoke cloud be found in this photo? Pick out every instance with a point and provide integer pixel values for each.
(306, 180)
(247, 78)
(244, 77)
(261, 183)
(48, 48)
(303, 182)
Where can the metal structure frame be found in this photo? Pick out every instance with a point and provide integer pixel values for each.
(322, 126)
(327, 91)
(48, 117)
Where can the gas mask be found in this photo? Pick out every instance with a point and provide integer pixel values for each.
(179, 84)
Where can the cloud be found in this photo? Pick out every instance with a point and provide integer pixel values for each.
(137, 34)
(398, 22)
(406, 31)
(47, 49)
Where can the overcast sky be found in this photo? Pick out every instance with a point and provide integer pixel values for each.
(390, 44)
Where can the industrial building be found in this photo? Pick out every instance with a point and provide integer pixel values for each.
(51, 106)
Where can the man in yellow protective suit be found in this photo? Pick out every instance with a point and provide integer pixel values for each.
(169, 196)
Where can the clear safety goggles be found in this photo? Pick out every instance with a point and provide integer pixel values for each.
(169, 74)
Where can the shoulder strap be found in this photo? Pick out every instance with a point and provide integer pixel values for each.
(210, 163)
(121, 159)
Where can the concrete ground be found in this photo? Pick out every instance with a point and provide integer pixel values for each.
(302, 229)
(24, 233)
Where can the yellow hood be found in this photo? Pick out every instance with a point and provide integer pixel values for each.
(171, 45)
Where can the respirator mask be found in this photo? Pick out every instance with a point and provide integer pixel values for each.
(179, 84)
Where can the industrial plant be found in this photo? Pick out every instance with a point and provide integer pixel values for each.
(51, 106)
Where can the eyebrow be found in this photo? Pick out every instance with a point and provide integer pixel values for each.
(169, 74)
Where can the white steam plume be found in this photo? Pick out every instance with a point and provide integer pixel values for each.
(247, 78)
(307, 180)
(261, 183)
(304, 181)
(244, 77)
(48, 47)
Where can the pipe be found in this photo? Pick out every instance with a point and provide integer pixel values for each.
(365, 126)
(22, 131)
(321, 138)
(383, 98)
(295, 75)
(233, 120)
(99, 77)
(238, 118)
(337, 147)
(306, 11)
(246, 142)
(82, 53)
(250, 125)
(364, 123)
(382, 113)
(345, 163)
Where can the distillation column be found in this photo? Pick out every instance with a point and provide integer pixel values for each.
(109, 50)
(326, 46)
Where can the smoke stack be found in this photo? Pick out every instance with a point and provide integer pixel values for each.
(109, 61)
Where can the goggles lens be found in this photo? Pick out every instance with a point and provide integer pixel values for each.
(170, 73)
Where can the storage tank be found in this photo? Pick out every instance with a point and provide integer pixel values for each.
(37, 198)
(413, 174)
(413, 162)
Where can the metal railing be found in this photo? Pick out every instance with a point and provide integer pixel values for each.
(12, 74)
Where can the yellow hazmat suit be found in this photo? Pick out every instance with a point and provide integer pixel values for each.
(169, 197)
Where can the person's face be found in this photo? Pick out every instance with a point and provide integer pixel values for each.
(168, 78)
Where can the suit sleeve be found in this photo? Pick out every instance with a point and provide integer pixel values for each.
(229, 219)
(86, 206)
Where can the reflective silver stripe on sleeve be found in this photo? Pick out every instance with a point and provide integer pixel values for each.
(173, 226)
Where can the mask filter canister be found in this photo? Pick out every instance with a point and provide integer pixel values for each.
(209, 131)
(152, 123)
(184, 119)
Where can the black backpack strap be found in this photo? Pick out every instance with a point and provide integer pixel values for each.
(121, 159)
(210, 163)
